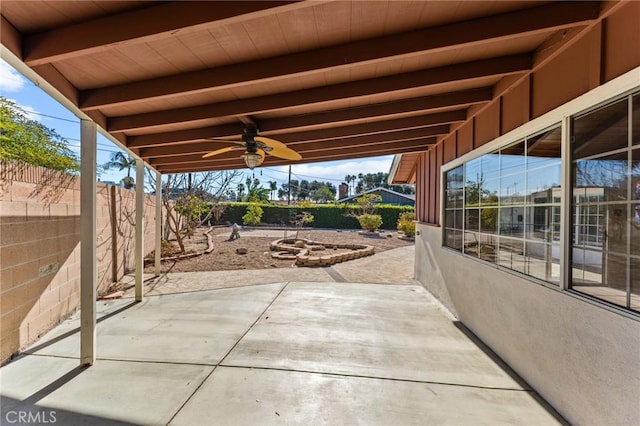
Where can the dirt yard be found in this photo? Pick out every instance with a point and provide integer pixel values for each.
(224, 256)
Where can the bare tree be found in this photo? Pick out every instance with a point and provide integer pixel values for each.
(188, 199)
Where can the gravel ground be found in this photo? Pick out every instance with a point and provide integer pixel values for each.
(257, 241)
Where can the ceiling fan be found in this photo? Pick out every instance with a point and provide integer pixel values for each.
(256, 147)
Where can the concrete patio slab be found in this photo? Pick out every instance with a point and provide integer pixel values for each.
(293, 353)
(366, 330)
(107, 393)
(187, 328)
(178, 282)
(244, 396)
(389, 267)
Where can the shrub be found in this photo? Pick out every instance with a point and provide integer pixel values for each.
(253, 216)
(370, 222)
(333, 216)
(406, 224)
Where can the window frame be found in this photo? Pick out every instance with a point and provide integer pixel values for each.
(626, 85)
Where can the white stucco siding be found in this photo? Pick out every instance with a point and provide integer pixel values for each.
(582, 358)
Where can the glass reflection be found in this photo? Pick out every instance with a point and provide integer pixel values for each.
(543, 261)
(511, 254)
(602, 130)
(489, 220)
(487, 244)
(453, 239)
(472, 219)
(473, 182)
(512, 174)
(471, 243)
(511, 221)
(635, 284)
(606, 176)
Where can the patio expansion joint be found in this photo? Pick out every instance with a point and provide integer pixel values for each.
(391, 379)
(228, 352)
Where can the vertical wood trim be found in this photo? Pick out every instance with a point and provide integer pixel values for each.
(473, 133)
(139, 229)
(88, 238)
(432, 183)
(603, 51)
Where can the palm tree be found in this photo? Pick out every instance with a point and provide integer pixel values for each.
(349, 179)
(273, 185)
(122, 161)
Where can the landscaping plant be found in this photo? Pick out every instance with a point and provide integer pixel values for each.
(406, 224)
(370, 222)
(253, 216)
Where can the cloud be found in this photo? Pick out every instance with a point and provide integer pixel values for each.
(333, 171)
(30, 112)
(10, 79)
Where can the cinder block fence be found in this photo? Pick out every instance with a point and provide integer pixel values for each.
(40, 248)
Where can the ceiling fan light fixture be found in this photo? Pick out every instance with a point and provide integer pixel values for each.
(252, 160)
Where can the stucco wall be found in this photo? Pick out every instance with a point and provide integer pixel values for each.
(582, 358)
(40, 249)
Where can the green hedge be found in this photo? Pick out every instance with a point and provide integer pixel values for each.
(325, 215)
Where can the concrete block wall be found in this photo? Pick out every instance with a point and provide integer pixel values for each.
(40, 249)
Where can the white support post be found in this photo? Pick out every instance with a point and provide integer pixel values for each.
(158, 222)
(139, 228)
(88, 262)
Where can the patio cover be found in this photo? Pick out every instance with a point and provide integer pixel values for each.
(332, 79)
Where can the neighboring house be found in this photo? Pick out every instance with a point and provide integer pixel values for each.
(388, 197)
(528, 222)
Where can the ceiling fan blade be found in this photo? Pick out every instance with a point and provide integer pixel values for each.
(278, 149)
(262, 154)
(219, 151)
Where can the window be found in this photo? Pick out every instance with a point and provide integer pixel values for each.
(606, 203)
(453, 209)
(510, 200)
(504, 207)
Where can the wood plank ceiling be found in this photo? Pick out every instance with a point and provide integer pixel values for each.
(331, 79)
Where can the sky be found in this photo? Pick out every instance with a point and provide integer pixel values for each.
(42, 107)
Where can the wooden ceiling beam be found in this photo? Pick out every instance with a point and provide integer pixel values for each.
(272, 161)
(311, 149)
(429, 77)
(204, 147)
(274, 126)
(225, 131)
(449, 36)
(139, 25)
(425, 103)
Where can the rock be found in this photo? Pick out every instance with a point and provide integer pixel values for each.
(114, 295)
(299, 244)
(242, 250)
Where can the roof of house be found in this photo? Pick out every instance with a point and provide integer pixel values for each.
(410, 197)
